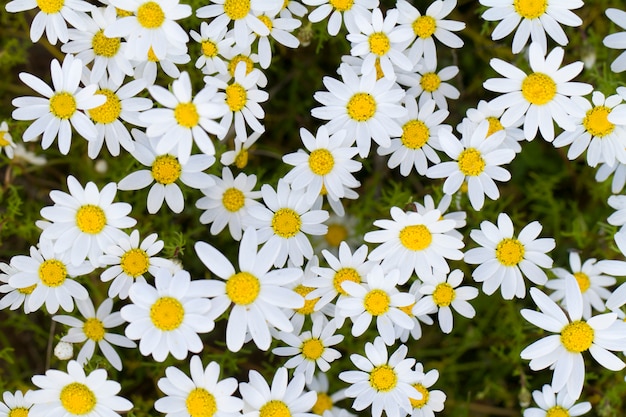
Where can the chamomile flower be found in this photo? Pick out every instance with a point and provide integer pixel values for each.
(146, 69)
(86, 221)
(13, 297)
(128, 261)
(415, 242)
(484, 111)
(432, 399)
(298, 316)
(74, 393)
(213, 44)
(93, 331)
(14, 404)
(535, 19)
(326, 403)
(6, 141)
(201, 393)
(617, 40)
(382, 381)
(542, 96)
(62, 107)
(257, 293)
(552, 403)
(340, 11)
(430, 84)
(442, 294)
(280, 30)
(240, 155)
(340, 229)
(167, 318)
(365, 107)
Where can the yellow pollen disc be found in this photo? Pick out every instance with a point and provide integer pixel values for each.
(233, 199)
(150, 15)
(424, 26)
(274, 408)
(583, 281)
(415, 134)
(336, 234)
(232, 64)
(237, 9)
(236, 97)
(209, 48)
(379, 69)
(90, 219)
(577, 336)
(77, 398)
(416, 237)
(510, 252)
(27, 290)
(361, 107)
(312, 349)
(383, 378)
(309, 305)
(376, 302)
(597, 123)
(243, 288)
(63, 105)
(557, 411)
(471, 162)
(430, 82)
(50, 6)
(408, 310)
(18, 412)
(123, 13)
(321, 161)
(266, 21)
(345, 274)
(443, 295)
(201, 403)
(530, 9)
(103, 46)
(109, 111)
(3, 141)
(166, 169)
(425, 394)
(494, 125)
(342, 5)
(135, 262)
(186, 115)
(152, 56)
(52, 273)
(93, 329)
(538, 88)
(286, 223)
(379, 43)
(167, 314)
(323, 403)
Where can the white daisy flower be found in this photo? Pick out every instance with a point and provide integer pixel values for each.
(442, 294)
(428, 84)
(340, 11)
(326, 403)
(93, 331)
(13, 297)
(257, 293)
(432, 399)
(165, 170)
(617, 40)
(383, 382)
(365, 107)
(74, 393)
(146, 69)
(416, 331)
(340, 229)
(200, 394)
(86, 221)
(484, 111)
(53, 17)
(6, 141)
(282, 398)
(234, 56)
(543, 95)
(128, 261)
(14, 405)
(552, 403)
(62, 107)
(415, 242)
(280, 28)
(284, 225)
(167, 318)
(562, 351)
(537, 18)
(618, 171)
(213, 44)
(151, 26)
(476, 160)
(298, 316)
(240, 155)
(227, 202)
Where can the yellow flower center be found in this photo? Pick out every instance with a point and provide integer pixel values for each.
(50, 6)
(376, 302)
(150, 15)
(123, 13)
(18, 412)
(530, 9)
(62, 105)
(166, 169)
(361, 107)
(383, 378)
(494, 125)
(286, 223)
(510, 252)
(232, 64)
(309, 305)
(538, 88)
(201, 403)
(78, 398)
(237, 9)
(186, 115)
(152, 56)
(233, 199)
(471, 162)
(3, 141)
(577, 336)
(416, 237)
(444, 294)
(243, 288)
(557, 411)
(167, 314)
(90, 219)
(109, 111)
(312, 349)
(103, 46)
(424, 26)
(379, 43)
(241, 159)
(430, 82)
(266, 21)
(209, 48)
(135, 262)
(583, 281)
(236, 97)
(93, 329)
(52, 273)
(342, 5)
(27, 290)
(415, 134)
(345, 274)
(425, 394)
(321, 161)
(336, 234)
(274, 408)
(323, 403)
(597, 123)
